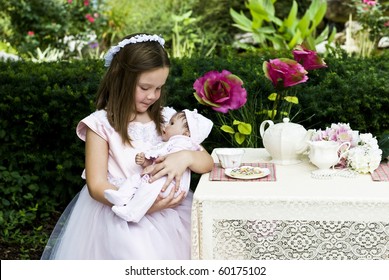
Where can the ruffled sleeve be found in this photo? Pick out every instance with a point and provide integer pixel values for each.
(98, 123)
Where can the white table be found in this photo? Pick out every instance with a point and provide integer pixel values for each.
(295, 217)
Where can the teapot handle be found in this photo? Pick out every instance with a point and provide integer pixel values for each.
(262, 127)
(348, 144)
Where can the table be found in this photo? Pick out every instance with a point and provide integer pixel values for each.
(294, 217)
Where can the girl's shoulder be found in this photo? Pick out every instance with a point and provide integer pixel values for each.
(98, 122)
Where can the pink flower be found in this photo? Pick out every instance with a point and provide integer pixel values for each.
(30, 33)
(370, 3)
(308, 58)
(70, 1)
(386, 24)
(222, 91)
(86, 3)
(284, 70)
(90, 18)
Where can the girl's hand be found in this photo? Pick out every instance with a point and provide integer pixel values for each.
(173, 166)
(167, 202)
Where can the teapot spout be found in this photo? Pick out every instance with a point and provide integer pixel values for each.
(305, 144)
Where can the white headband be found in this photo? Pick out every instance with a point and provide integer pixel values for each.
(133, 40)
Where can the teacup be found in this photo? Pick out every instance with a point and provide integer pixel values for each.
(229, 157)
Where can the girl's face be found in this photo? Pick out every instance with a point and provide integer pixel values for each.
(174, 127)
(148, 88)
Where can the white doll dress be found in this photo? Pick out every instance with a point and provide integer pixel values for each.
(90, 230)
(135, 197)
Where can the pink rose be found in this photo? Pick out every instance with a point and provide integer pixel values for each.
(308, 58)
(90, 18)
(221, 91)
(286, 71)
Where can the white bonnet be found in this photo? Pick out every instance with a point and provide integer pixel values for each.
(199, 126)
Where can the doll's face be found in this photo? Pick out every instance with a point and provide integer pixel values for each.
(176, 126)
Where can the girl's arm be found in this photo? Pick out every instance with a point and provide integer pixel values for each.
(173, 165)
(96, 166)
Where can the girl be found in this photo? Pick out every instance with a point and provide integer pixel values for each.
(128, 120)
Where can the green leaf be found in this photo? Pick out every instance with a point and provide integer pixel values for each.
(242, 22)
(292, 99)
(272, 96)
(245, 128)
(239, 138)
(271, 113)
(227, 129)
(291, 20)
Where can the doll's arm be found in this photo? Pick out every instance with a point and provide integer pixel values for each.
(140, 159)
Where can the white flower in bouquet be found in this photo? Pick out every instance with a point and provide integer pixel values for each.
(366, 156)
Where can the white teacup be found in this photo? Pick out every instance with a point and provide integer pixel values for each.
(229, 157)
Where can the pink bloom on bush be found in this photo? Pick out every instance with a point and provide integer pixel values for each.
(221, 91)
(386, 24)
(70, 1)
(90, 18)
(286, 71)
(308, 58)
(370, 3)
(30, 33)
(86, 3)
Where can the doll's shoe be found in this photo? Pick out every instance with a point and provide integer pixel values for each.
(122, 212)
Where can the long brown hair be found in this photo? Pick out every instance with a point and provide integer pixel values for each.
(116, 93)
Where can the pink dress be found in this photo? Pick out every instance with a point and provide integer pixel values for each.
(90, 230)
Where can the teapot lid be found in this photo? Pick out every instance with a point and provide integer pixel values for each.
(287, 123)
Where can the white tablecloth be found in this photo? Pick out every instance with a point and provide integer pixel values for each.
(295, 217)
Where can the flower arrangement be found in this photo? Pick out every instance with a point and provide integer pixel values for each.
(285, 73)
(364, 155)
(225, 94)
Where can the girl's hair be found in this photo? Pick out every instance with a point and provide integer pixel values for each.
(116, 93)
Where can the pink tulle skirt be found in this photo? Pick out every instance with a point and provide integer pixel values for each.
(89, 230)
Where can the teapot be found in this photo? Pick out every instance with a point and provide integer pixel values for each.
(285, 142)
(325, 154)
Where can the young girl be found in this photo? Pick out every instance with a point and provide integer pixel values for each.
(128, 120)
(186, 130)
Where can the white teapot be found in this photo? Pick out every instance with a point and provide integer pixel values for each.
(285, 142)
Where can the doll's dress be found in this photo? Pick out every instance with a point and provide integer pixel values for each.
(90, 230)
(136, 196)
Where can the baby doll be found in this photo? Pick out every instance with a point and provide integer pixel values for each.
(186, 130)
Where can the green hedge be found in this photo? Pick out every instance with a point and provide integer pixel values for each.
(41, 158)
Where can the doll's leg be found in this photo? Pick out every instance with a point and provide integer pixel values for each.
(141, 202)
(125, 192)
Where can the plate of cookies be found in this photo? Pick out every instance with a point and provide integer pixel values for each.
(247, 172)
